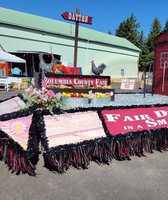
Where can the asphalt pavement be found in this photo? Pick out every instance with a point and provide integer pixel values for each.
(116, 86)
(144, 178)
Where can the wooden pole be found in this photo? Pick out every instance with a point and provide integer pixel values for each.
(76, 41)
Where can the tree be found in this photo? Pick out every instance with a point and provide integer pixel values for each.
(143, 57)
(129, 29)
(155, 30)
(166, 26)
(120, 32)
(147, 53)
(141, 40)
(109, 33)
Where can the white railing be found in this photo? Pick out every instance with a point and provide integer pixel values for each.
(9, 81)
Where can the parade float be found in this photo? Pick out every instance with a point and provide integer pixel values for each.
(64, 122)
(45, 121)
(75, 137)
(70, 120)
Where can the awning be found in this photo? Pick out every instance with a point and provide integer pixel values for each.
(7, 57)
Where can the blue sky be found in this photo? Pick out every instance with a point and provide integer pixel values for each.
(107, 14)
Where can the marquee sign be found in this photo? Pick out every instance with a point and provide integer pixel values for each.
(121, 121)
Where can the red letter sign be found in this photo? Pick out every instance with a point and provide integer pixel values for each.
(77, 17)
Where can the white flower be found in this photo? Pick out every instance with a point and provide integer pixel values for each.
(111, 93)
(91, 95)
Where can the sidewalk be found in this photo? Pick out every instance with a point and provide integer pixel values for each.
(12, 92)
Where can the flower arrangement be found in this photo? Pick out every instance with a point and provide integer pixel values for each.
(90, 95)
(76, 95)
(99, 94)
(83, 99)
(43, 98)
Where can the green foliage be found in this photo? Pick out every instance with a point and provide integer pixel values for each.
(109, 33)
(155, 30)
(166, 26)
(144, 51)
(129, 29)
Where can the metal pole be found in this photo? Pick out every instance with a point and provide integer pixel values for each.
(76, 42)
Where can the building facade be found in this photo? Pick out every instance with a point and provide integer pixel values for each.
(161, 64)
(27, 35)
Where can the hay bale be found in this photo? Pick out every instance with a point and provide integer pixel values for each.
(24, 85)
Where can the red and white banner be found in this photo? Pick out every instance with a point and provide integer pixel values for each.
(122, 121)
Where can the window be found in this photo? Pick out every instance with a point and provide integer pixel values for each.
(164, 59)
(122, 72)
(2, 72)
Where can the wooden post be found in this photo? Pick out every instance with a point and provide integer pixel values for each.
(78, 18)
(76, 42)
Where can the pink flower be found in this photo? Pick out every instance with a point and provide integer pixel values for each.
(18, 127)
(50, 94)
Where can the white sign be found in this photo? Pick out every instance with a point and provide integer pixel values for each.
(127, 84)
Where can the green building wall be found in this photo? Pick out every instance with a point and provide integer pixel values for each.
(119, 55)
